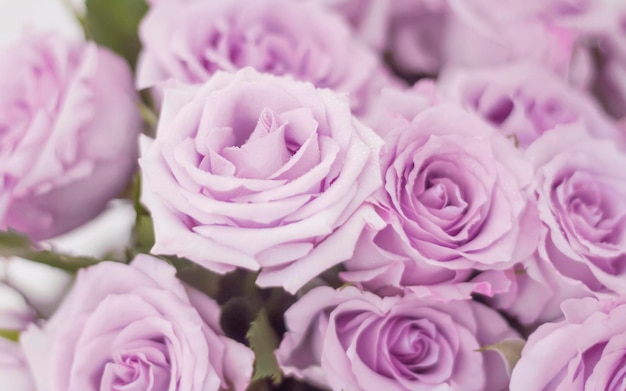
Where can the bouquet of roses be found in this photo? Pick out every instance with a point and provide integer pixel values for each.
(327, 194)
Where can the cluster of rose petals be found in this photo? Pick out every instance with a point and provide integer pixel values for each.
(524, 101)
(585, 351)
(352, 340)
(455, 199)
(68, 133)
(424, 36)
(188, 41)
(581, 190)
(135, 327)
(260, 172)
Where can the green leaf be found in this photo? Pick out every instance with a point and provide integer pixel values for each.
(13, 335)
(263, 341)
(113, 23)
(143, 231)
(509, 349)
(13, 244)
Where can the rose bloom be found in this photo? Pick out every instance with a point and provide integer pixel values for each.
(583, 352)
(525, 100)
(348, 339)
(69, 125)
(581, 189)
(260, 172)
(455, 199)
(188, 41)
(135, 327)
(426, 36)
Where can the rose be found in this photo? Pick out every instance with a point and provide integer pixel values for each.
(583, 352)
(68, 126)
(581, 191)
(258, 171)
(353, 340)
(524, 100)
(135, 327)
(455, 198)
(189, 41)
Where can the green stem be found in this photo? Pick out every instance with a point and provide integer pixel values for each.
(79, 16)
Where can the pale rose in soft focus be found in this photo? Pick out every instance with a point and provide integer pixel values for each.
(426, 36)
(524, 101)
(483, 33)
(68, 133)
(348, 339)
(135, 327)
(455, 199)
(188, 41)
(585, 351)
(260, 172)
(580, 184)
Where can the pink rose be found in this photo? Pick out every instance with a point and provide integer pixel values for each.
(260, 172)
(190, 41)
(455, 199)
(135, 327)
(580, 184)
(353, 340)
(583, 352)
(69, 125)
(525, 100)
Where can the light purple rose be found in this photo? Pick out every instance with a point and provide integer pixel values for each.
(260, 172)
(455, 199)
(68, 126)
(135, 327)
(354, 340)
(525, 100)
(188, 41)
(580, 184)
(583, 352)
